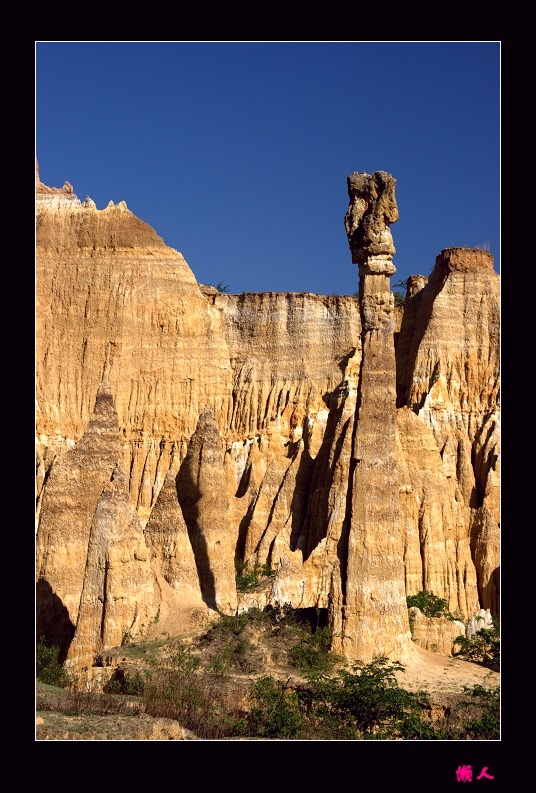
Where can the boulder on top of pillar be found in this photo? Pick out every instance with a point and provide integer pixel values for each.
(371, 211)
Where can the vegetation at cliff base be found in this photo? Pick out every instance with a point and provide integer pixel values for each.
(47, 667)
(247, 578)
(486, 726)
(221, 685)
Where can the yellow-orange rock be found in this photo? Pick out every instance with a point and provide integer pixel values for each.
(351, 445)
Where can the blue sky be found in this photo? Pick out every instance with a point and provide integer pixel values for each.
(237, 153)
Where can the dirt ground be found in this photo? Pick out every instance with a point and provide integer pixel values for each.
(440, 674)
(443, 678)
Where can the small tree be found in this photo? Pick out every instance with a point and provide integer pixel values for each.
(275, 712)
(47, 667)
(483, 647)
(398, 294)
(312, 654)
(487, 726)
(371, 695)
(431, 605)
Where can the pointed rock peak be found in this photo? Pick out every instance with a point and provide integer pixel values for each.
(414, 284)
(169, 479)
(104, 416)
(207, 421)
(104, 396)
(40, 188)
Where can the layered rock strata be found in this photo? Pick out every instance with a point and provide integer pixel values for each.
(374, 611)
(114, 302)
(448, 376)
(353, 450)
(70, 499)
(202, 494)
(437, 634)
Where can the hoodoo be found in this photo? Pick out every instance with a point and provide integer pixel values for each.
(348, 446)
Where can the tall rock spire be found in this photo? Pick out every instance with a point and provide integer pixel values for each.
(374, 612)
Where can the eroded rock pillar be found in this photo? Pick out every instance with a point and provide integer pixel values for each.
(374, 613)
(202, 493)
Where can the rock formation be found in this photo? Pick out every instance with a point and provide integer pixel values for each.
(374, 610)
(351, 448)
(114, 302)
(436, 634)
(117, 564)
(74, 485)
(449, 378)
(202, 493)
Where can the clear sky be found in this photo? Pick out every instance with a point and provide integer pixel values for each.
(237, 153)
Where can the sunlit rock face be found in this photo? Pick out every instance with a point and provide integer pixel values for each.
(374, 611)
(74, 487)
(436, 634)
(449, 378)
(202, 494)
(114, 302)
(117, 564)
(347, 446)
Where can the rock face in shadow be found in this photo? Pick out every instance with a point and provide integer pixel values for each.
(351, 448)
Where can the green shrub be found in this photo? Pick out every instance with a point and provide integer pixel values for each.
(312, 656)
(228, 642)
(275, 712)
(174, 690)
(373, 698)
(247, 579)
(128, 684)
(183, 690)
(487, 725)
(47, 667)
(367, 704)
(483, 647)
(431, 605)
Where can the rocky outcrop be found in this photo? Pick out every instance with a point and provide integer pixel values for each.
(166, 535)
(117, 564)
(437, 551)
(73, 490)
(482, 619)
(437, 634)
(202, 494)
(448, 377)
(173, 564)
(114, 302)
(351, 446)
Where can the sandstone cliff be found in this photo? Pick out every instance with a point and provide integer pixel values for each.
(180, 431)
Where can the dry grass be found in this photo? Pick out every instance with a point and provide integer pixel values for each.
(199, 685)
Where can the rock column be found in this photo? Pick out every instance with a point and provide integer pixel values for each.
(374, 613)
